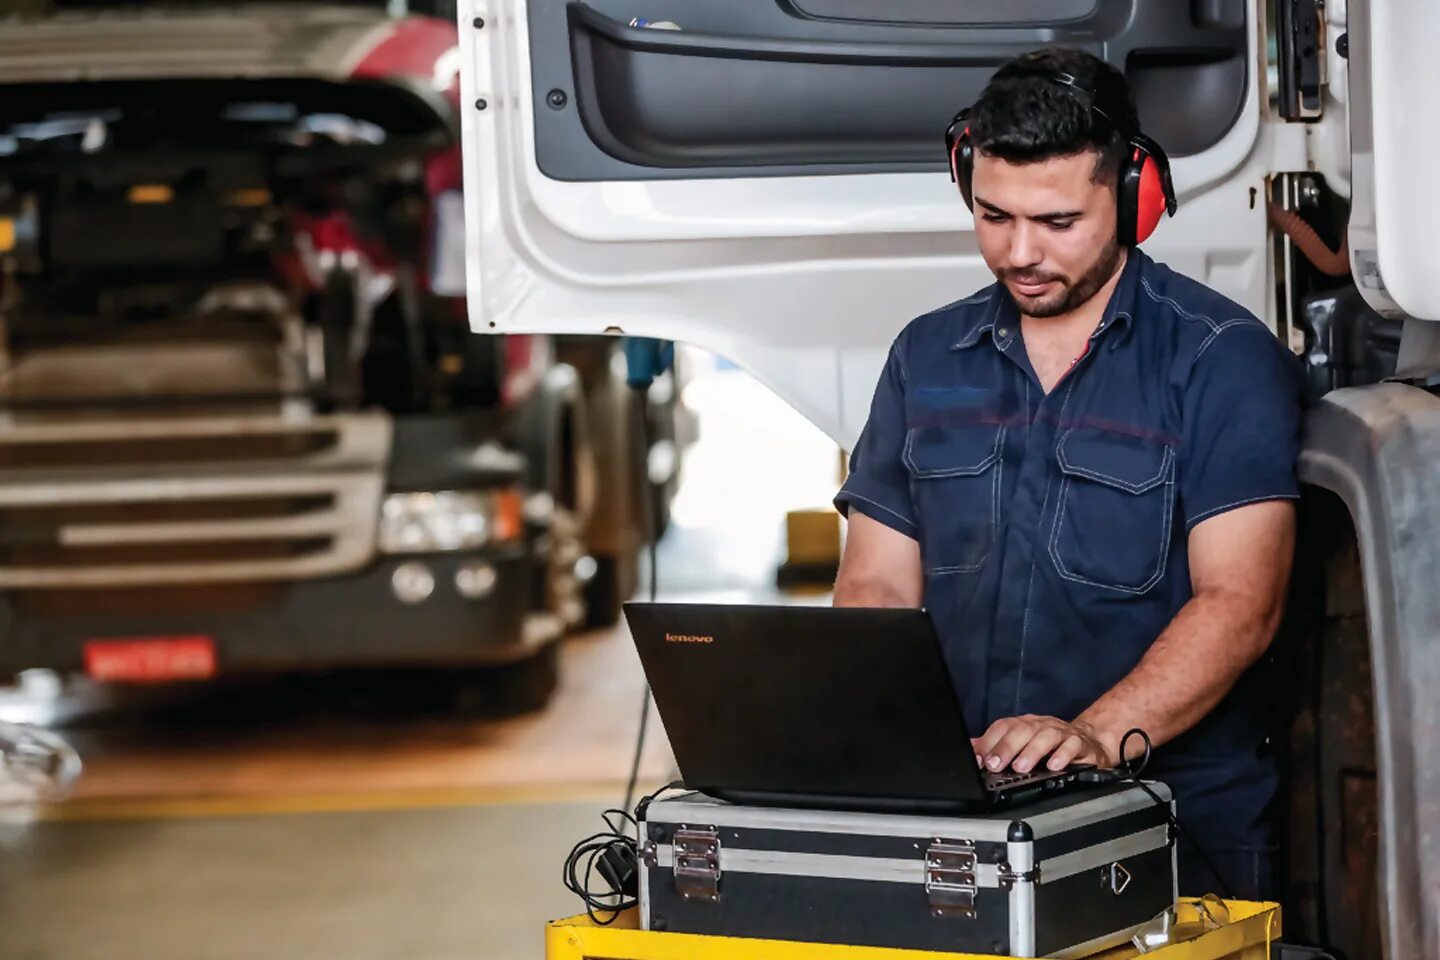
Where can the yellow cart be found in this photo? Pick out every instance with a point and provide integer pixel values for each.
(1248, 936)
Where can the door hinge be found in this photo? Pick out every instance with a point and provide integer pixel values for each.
(697, 863)
(950, 878)
(1008, 877)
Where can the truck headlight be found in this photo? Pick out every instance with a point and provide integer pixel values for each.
(448, 520)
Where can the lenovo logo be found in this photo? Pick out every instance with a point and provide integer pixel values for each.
(687, 638)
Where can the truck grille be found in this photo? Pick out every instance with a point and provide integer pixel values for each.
(120, 451)
(189, 501)
(291, 42)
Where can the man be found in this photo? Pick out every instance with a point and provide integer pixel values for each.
(1086, 473)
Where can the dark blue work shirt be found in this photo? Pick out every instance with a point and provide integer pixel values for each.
(1053, 528)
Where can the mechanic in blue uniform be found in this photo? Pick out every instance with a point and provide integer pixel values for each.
(1085, 472)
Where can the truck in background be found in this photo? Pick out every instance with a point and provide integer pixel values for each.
(243, 423)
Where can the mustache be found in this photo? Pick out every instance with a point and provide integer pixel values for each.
(1028, 277)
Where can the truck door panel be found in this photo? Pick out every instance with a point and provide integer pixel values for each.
(769, 181)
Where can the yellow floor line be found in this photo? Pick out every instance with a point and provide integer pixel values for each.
(161, 808)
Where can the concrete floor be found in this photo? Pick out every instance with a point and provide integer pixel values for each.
(455, 883)
(309, 821)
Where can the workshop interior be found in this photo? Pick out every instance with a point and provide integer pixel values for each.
(735, 479)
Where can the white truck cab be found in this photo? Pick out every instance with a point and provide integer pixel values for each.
(767, 180)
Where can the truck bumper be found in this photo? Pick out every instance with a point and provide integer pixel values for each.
(335, 622)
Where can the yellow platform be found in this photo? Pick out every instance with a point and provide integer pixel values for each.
(1252, 928)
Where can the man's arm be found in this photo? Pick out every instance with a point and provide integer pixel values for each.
(881, 563)
(1239, 568)
(879, 568)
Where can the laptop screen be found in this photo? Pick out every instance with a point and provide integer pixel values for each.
(806, 701)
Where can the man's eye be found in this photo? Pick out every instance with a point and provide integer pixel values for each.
(994, 218)
(1062, 225)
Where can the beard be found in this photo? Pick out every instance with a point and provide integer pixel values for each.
(1071, 294)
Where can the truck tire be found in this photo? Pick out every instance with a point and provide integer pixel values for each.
(554, 436)
(553, 433)
(605, 593)
(1332, 815)
(615, 534)
(510, 689)
(617, 577)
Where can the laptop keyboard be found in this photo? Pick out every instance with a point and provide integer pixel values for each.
(1006, 778)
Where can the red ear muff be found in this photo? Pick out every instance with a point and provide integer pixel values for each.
(954, 155)
(957, 147)
(1145, 193)
(1151, 203)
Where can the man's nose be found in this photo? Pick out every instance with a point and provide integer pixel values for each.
(1025, 246)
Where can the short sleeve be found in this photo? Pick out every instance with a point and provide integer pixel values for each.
(879, 485)
(1243, 410)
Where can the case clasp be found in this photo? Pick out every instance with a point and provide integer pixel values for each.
(950, 878)
(697, 863)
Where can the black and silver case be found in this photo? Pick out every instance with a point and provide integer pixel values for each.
(1066, 876)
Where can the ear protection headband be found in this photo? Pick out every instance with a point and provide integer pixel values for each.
(1143, 193)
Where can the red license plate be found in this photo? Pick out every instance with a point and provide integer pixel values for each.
(150, 659)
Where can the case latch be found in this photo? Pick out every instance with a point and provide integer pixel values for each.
(950, 878)
(697, 863)
(1118, 878)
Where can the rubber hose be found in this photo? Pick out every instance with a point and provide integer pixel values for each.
(1332, 263)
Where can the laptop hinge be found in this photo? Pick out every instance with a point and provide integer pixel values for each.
(697, 863)
(950, 878)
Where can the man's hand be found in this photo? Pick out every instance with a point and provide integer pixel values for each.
(1020, 743)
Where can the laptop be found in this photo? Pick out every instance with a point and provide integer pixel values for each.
(841, 708)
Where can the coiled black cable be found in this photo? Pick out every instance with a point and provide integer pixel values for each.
(1131, 770)
(613, 854)
(612, 849)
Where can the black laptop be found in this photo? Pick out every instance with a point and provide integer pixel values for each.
(847, 708)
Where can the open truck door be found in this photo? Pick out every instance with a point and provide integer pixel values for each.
(768, 180)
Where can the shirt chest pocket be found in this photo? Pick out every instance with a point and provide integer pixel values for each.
(1115, 510)
(956, 470)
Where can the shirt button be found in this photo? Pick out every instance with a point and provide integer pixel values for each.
(1004, 332)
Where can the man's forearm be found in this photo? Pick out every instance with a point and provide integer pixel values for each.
(855, 592)
(879, 568)
(1189, 669)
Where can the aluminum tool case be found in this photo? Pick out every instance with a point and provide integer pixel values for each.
(1065, 876)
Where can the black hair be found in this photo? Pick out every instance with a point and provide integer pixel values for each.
(1031, 110)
